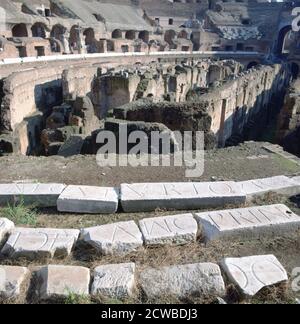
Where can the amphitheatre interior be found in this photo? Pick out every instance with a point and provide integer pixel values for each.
(71, 70)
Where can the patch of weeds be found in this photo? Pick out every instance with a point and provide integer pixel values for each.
(20, 214)
(75, 299)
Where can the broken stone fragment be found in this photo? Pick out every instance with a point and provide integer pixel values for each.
(201, 279)
(6, 227)
(114, 239)
(253, 273)
(116, 281)
(11, 281)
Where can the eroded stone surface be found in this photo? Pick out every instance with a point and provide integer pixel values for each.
(40, 243)
(11, 281)
(280, 184)
(58, 281)
(115, 281)
(253, 273)
(201, 279)
(117, 238)
(88, 199)
(6, 227)
(37, 194)
(248, 223)
(150, 196)
(178, 229)
(296, 179)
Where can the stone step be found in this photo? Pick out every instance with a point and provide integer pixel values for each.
(36, 194)
(248, 223)
(35, 243)
(280, 185)
(88, 200)
(251, 274)
(180, 196)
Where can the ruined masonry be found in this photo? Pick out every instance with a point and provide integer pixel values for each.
(251, 274)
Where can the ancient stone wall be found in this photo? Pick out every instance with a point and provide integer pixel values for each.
(288, 127)
(28, 92)
(230, 105)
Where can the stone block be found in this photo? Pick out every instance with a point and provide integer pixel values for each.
(114, 239)
(36, 194)
(202, 280)
(116, 281)
(180, 196)
(6, 227)
(58, 281)
(248, 223)
(89, 200)
(11, 281)
(253, 273)
(178, 229)
(35, 243)
(280, 185)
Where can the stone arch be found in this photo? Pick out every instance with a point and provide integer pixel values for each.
(90, 40)
(170, 35)
(58, 31)
(38, 30)
(144, 36)
(130, 34)
(117, 33)
(20, 30)
(183, 34)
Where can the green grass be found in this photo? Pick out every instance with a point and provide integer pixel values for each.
(75, 299)
(20, 214)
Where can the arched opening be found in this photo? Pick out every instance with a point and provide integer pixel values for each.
(251, 65)
(55, 46)
(144, 36)
(283, 41)
(170, 36)
(20, 30)
(38, 30)
(58, 31)
(183, 34)
(295, 70)
(130, 34)
(90, 40)
(117, 33)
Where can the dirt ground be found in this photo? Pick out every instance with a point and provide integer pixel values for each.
(245, 162)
